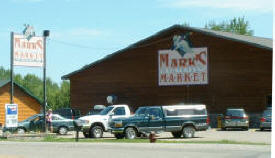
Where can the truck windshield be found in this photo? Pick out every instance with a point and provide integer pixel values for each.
(106, 110)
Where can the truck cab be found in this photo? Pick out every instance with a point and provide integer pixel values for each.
(95, 125)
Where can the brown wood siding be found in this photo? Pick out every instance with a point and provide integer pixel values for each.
(240, 75)
(27, 106)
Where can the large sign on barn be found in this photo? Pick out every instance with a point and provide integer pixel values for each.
(183, 65)
(27, 49)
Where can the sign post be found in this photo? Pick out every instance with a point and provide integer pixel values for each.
(29, 50)
(11, 70)
(46, 33)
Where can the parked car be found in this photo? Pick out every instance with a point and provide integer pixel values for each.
(96, 110)
(178, 119)
(266, 119)
(68, 113)
(60, 124)
(95, 125)
(235, 118)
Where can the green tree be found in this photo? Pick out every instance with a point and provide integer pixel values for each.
(236, 25)
(57, 96)
(4, 74)
(64, 94)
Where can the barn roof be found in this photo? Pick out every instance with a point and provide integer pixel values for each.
(260, 42)
(5, 82)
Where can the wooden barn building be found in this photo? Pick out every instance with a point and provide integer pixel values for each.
(181, 65)
(28, 104)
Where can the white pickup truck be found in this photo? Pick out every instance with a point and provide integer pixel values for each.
(95, 125)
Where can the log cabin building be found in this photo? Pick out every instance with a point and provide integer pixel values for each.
(28, 104)
(181, 65)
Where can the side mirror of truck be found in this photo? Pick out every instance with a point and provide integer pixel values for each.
(112, 113)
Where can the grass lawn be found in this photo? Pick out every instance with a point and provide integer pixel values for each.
(58, 139)
(55, 139)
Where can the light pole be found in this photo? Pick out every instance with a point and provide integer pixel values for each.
(46, 33)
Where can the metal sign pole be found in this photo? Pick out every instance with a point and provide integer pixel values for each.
(44, 85)
(11, 68)
(46, 33)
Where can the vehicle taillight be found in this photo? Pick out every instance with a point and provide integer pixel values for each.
(207, 120)
(236, 117)
(262, 119)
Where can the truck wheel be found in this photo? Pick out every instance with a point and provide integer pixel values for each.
(177, 134)
(188, 132)
(96, 132)
(119, 136)
(130, 133)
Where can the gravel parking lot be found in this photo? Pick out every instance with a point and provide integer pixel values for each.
(252, 135)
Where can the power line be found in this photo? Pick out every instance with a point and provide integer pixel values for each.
(135, 45)
(80, 46)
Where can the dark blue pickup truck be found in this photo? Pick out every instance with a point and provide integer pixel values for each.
(177, 119)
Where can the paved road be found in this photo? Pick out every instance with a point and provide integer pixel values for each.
(126, 150)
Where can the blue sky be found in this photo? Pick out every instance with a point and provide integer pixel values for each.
(83, 31)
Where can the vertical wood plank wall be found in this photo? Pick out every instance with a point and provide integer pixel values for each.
(27, 106)
(240, 75)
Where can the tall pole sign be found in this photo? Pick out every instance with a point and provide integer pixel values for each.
(29, 50)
